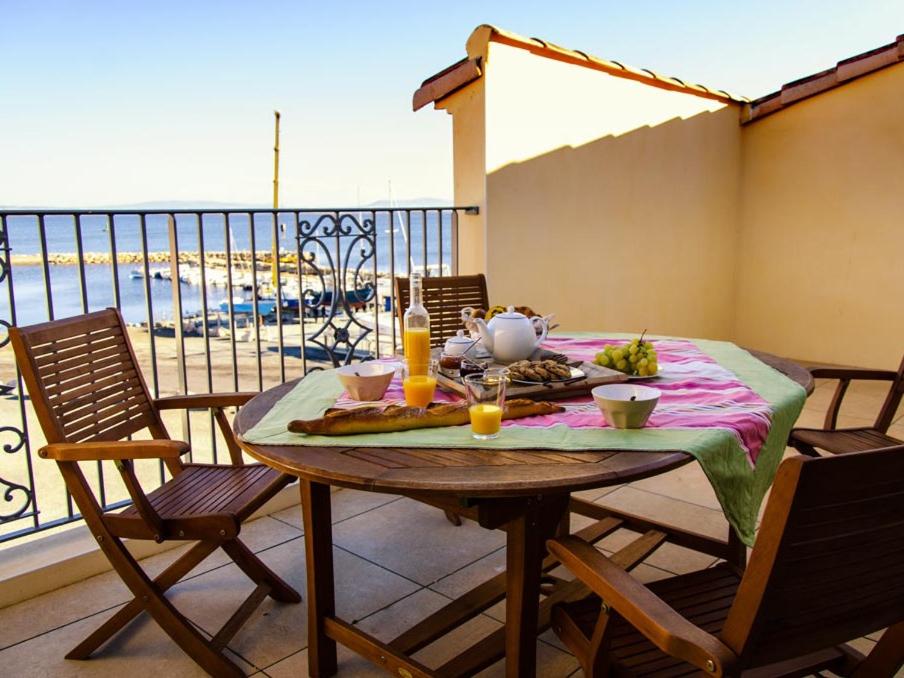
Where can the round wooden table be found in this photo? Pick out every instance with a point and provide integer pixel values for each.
(524, 492)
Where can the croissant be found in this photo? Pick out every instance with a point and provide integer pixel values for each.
(338, 422)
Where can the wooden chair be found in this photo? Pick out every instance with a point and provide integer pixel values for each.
(444, 298)
(89, 394)
(828, 567)
(840, 441)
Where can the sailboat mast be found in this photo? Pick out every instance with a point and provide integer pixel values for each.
(401, 228)
(275, 262)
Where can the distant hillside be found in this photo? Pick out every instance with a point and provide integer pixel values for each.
(214, 205)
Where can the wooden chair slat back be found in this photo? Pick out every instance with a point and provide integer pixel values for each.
(444, 297)
(84, 379)
(828, 564)
(889, 409)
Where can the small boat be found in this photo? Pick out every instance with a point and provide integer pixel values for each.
(265, 305)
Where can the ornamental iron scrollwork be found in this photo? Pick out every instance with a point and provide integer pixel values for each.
(339, 253)
(17, 498)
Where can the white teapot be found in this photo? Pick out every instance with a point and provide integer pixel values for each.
(510, 336)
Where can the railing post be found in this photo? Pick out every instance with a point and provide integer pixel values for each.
(182, 373)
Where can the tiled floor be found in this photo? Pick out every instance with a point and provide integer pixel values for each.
(396, 561)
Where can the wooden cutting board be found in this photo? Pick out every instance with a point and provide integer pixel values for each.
(596, 375)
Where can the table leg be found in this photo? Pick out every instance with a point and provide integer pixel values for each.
(318, 544)
(737, 550)
(525, 549)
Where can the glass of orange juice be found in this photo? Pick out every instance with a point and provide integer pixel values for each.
(419, 382)
(486, 401)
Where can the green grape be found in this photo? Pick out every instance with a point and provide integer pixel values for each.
(643, 372)
(652, 367)
(633, 358)
(651, 354)
(648, 345)
(618, 354)
(632, 349)
(621, 365)
(643, 362)
(602, 359)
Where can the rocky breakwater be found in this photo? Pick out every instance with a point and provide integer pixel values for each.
(72, 259)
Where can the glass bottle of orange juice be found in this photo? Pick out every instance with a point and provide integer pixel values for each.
(416, 330)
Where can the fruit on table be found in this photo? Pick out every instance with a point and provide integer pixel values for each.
(637, 358)
(495, 310)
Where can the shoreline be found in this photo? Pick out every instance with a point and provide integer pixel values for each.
(160, 257)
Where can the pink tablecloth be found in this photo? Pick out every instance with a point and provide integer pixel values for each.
(697, 393)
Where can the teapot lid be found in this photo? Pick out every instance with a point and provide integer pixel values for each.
(459, 338)
(510, 314)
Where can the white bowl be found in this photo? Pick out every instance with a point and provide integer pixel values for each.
(618, 408)
(366, 381)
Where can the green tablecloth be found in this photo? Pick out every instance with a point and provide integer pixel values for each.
(739, 486)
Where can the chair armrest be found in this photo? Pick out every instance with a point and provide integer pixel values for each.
(203, 400)
(845, 375)
(643, 609)
(114, 450)
(854, 373)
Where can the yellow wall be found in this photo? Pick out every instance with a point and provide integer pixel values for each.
(467, 106)
(821, 274)
(608, 202)
(617, 205)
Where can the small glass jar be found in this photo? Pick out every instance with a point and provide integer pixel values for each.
(450, 362)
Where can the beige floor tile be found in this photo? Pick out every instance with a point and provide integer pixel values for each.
(349, 664)
(669, 511)
(648, 574)
(551, 663)
(688, 483)
(415, 540)
(669, 557)
(277, 630)
(51, 610)
(390, 622)
(142, 649)
(68, 604)
(864, 645)
(257, 535)
(461, 581)
(345, 503)
(457, 641)
(595, 493)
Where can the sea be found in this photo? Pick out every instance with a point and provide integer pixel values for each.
(37, 299)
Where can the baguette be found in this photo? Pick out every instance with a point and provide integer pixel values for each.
(339, 422)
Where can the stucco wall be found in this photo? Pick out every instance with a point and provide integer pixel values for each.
(468, 110)
(609, 202)
(822, 226)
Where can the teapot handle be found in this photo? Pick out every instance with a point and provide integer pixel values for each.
(544, 328)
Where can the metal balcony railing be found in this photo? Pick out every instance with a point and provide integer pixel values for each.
(216, 300)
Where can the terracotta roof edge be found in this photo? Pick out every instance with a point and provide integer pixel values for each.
(446, 82)
(843, 72)
(477, 47)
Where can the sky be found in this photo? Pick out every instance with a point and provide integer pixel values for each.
(114, 103)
